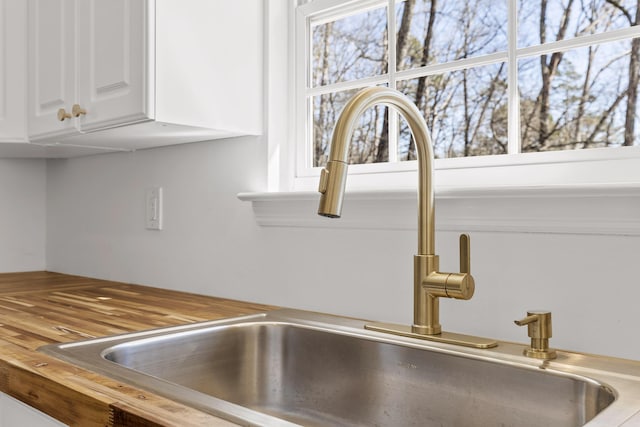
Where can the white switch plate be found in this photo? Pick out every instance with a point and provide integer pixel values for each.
(153, 203)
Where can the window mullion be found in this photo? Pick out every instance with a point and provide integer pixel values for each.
(391, 37)
(513, 116)
(578, 42)
(347, 85)
(393, 115)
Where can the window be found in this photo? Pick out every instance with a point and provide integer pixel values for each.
(500, 82)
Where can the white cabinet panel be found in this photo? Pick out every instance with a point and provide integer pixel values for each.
(51, 66)
(13, 67)
(88, 53)
(209, 63)
(112, 66)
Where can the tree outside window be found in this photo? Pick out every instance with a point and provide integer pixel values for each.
(575, 88)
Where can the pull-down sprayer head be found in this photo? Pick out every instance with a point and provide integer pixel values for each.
(333, 177)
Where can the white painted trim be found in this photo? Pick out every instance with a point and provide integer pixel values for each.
(566, 209)
(547, 168)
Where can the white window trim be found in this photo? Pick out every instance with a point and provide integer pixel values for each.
(594, 191)
(563, 209)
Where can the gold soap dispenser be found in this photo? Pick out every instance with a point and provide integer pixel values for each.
(539, 330)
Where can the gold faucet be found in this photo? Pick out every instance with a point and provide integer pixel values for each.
(429, 283)
(539, 330)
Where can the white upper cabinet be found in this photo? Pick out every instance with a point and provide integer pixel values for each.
(112, 62)
(13, 68)
(52, 73)
(128, 74)
(89, 54)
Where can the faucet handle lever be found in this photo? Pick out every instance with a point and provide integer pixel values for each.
(465, 254)
(457, 285)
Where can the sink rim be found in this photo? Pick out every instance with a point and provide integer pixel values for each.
(624, 385)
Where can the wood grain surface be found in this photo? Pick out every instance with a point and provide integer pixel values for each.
(38, 308)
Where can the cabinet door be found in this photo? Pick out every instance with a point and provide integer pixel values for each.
(13, 67)
(112, 62)
(51, 34)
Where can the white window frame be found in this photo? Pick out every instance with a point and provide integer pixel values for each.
(575, 167)
(594, 191)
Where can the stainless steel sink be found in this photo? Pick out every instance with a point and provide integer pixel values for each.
(290, 367)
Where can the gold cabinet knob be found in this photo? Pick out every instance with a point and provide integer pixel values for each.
(62, 114)
(78, 111)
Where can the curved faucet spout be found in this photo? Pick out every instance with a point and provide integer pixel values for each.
(334, 176)
(429, 283)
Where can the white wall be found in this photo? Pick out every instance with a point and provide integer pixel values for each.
(22, 214)
(211, 244)
(96, 215)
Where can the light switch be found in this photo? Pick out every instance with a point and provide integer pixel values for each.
(153, 202)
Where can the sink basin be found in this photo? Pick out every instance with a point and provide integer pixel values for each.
(290, 367)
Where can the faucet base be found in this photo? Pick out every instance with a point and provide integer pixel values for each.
(540, 354)
(444, 337)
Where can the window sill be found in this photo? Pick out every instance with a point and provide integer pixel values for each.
(605, 209)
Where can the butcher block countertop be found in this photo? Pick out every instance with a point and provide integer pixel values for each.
(39, 308)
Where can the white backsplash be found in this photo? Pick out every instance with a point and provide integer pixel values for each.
(211, 244)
